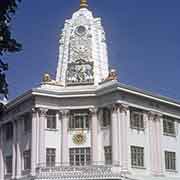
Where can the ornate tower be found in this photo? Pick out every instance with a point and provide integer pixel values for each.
(83, 58)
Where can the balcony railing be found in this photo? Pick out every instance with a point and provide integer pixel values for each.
(80, 172)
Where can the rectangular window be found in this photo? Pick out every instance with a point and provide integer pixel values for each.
(9, 165)
(51, 119)
(9, 131)
(79, 120)
(137, 156)
(136, 119)
(27, 159)
(108, 154)
(106, 117)
(169, 126)
(27, 122)
(170, 160)
(50, 156)
(80, 156)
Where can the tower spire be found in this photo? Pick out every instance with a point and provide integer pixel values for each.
(83, 4)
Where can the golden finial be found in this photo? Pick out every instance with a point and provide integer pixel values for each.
(83, 4)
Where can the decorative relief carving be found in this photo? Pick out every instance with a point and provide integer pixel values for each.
(80, 72)
(155, 116)
(79, 138)
(112, 75)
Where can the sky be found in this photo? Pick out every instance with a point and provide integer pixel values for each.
(143, 38)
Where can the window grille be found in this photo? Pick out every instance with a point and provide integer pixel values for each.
(170, 160)
(137, 156)
(51, 119)
(79, 120)
(169, 126)
(136, 119)
(27, 118)
(108, 154)
(106, 117)
(9, 131)
(80, 156)
(50, 157)
(27, 159)
(9, 165)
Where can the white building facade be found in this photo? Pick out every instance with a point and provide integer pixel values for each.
(85, 124)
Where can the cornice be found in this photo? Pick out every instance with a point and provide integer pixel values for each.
(91, 91)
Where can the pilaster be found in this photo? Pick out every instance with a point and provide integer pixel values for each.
(14, 150)
(42, 121)
(96, 147)
(18, 150)
(119, 119)
(34, 141)
(155, 143)
(65, 114)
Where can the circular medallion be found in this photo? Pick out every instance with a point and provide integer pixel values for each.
(79, 139)
(80, 30)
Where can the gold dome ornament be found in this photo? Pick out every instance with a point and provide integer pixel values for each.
(83, 4)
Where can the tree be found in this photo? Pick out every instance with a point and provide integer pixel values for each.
(7, 43)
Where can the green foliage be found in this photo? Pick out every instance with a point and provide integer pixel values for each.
(7, 43)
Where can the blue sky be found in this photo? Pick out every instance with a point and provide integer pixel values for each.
(143, 40)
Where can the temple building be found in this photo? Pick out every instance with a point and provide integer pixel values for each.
(85, 124)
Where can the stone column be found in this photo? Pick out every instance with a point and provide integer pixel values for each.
(65, 114)
(34, 141)
(42, 150)
(114, 135)
(58, 123)
(154, 126)
(119, 118)
(94, 136)
(1, 155)
(14, 150)
(123, 118)
(18, 150)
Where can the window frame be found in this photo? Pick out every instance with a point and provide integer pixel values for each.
(139, 123)
(108, 155)
(27, 159)
(167, 130)
(27, 121)
(137, 157)
(50, 157)
(170, 161)
(80, 156)
(79, 120)
(51, 120)
(9, 131)
(8, 164)
(106, 117)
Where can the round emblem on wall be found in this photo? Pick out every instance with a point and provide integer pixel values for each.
(79, 139)
(80, 30)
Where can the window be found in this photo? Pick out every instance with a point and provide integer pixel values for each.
(51, 119)
(136, 119)
(80, 156)
(170, 160)
(108, 154)
(9, 131)
(169, 126)
(50, 156)
(9, 165)
(106, 117)
(79, 120)
(137, 156)
(27, 122)
(27, 159)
